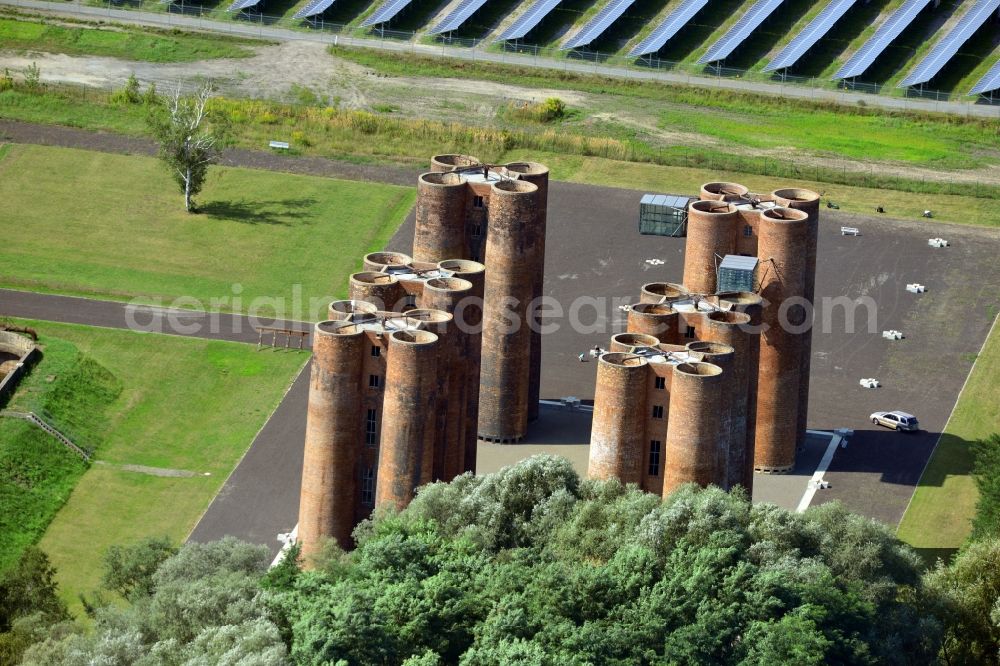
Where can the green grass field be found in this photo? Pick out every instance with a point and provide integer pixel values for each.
(120, 41)
(184, 404)
(260, 233)
(745, 119)
(939, 518)
(74, 393)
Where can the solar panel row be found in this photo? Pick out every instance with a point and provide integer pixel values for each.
(313, 8)
(811, 34)
(240, 5)
(597, 25)
(526, 22)
(945, 49)
(740, 31)
(676, 20)
(456, 18)
(989, 82)
(877, 43)
(385, 12)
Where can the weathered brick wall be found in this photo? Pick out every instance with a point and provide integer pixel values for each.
(808, 202)
(408, 421)
(618, 434)
(333, 434)
(510, 262)
(696, 402)
(783, 240)
(711, 233)
(440, 229)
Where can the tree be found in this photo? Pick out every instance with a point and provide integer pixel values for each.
(128, 570)
(29, 587)
(970, 586)
(986, 522)
(29, 604)
(534, 565)
(205, 606)
(187, 147)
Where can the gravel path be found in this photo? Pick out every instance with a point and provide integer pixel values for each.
(107, 142)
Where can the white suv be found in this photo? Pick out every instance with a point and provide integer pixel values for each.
(895, 420)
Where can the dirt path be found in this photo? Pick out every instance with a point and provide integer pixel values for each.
(68, 137)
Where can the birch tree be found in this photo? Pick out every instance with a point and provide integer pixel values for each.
(187, 146)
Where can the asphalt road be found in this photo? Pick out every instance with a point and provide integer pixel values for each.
(244, 28)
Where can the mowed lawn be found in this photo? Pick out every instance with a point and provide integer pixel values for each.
(114, 226)
(186, 404)
(939, 517)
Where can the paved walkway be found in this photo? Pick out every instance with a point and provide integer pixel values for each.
(247, 29)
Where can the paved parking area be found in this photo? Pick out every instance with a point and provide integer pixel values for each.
(594, 251)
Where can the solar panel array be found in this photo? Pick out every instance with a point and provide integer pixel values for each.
(597, 25)
(527, 21)
(811, 34)
(990, 81)
(313, 8)
(455, 19)
(385, 12)
(879, 42)
(740, 31)
(945, 49)
(676, 20)
(240, 5)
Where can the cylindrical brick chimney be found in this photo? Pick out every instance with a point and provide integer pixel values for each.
(537, 174)
(471, 319)
(446, 294)
(376, 261)
(439, 227)
(808, 202)
(618, 436)
(380, 289)
(696, 397)
(661, 292)
(333, 437)
(723, 192)
(408, 415)
(749, 304)
(724, 356)
(711, 235)
(733, 329)
(510, 253)
(782, 250)
(450, 162)
(627, 342)
(654, 319)
(346, 310)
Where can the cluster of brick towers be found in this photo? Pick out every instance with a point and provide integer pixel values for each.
(709, 386)
(434, 352)
(423, 360)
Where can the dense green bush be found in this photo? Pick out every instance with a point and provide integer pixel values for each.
(534, 565)
(987, 474)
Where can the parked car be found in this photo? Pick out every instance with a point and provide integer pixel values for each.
(896, 420)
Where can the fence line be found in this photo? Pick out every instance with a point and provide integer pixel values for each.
(264, 26)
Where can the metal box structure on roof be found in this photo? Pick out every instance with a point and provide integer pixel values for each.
(663, 214)
(736, 273)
